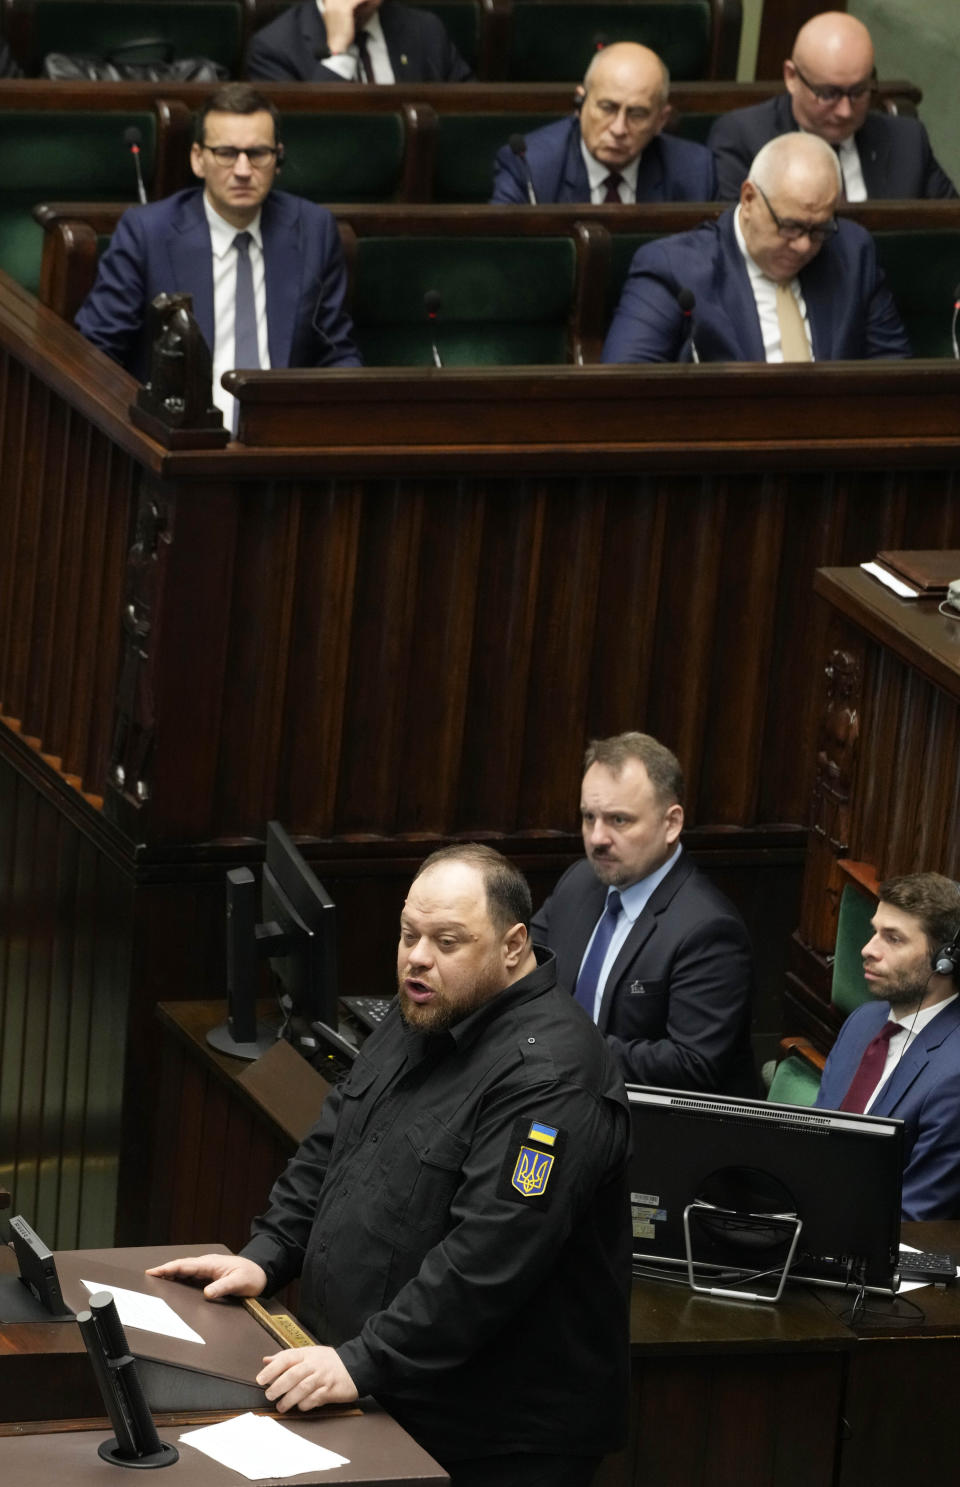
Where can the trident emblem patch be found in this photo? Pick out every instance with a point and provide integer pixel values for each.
(532, 1172)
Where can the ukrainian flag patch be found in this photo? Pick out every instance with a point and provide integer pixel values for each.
(546, 1135)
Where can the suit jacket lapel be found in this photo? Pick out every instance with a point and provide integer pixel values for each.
(826, 290)
(281, 258)
(313, 39)
(873, 147)
(915, 1060)
(645, 924)
(734, 296)
(650, 173)
(191, 260)
(398, 38)
(575, 185)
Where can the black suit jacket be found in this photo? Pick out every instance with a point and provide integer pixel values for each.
(419, 47)
(895, 154)
(676, 1005)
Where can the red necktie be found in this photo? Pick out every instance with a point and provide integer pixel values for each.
(865, 1080)
(612, 184)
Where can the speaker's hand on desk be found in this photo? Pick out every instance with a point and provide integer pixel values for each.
(305, 1378)
(227, 1275)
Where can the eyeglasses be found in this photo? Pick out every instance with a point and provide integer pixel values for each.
(828, 94)
(817, 232)
(258, 155)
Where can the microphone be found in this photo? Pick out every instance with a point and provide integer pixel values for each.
(953, 323)
(431, 303)
(600, 40)
(133, 139)
(687, 302)
(519, 147)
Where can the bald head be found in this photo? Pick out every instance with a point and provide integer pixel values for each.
(624, 105)
(829, 75)
(794, 181)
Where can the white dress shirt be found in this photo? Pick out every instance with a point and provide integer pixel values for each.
(765, 296)
(633, 901)
(222, 234)
(854, 186)
(347, 64)
(911, 1027)
(597, 174)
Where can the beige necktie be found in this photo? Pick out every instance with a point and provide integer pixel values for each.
(793, 337)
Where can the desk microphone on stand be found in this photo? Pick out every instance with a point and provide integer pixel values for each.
(431, 303)
(133, 139)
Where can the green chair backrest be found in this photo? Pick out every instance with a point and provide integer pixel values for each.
(623, 245)
(554, 42)
(462, 20)
(69, 155)
(193, 28)
(795, 1082)
(848, 989)
(922, 268)
(695, 126)
(343, 157)
(466, 146)
(504, 301)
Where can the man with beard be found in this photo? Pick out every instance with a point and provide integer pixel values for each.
(459, 1215)
(650, 949)
(900, 1054)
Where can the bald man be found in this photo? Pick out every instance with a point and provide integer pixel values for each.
(780, 278)
(830, 80)
(611, 150)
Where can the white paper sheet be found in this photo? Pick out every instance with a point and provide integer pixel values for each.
(260, 1447)
(148, 1313)
(901, 589)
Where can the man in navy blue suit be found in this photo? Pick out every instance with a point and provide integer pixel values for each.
(777, 279)
(188, 243)
(830, 82)
(651, 950)
(612, 149)
(900, 1055)
(343, 41)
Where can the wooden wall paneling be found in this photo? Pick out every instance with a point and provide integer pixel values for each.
(629, 590)
(877, 770)
(67, 582)
(249, 720)
(511, 564)
(566, 643)
(937, 808)
(686, 637)
(745, 614)
(447, 594)
(319, 662)
(16, 467)
(909, 737)
(382, 657)
(46, 434)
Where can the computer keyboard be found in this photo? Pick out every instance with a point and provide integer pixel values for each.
(368, 1010)
(927, 1265)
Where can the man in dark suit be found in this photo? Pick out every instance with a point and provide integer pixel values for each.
(900, 1055)
(652, 951)
(613, 148)
(373, 41)
(778, 279)
(830, 80)
(293, 261)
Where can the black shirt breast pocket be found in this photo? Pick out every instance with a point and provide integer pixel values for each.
(420, 1176)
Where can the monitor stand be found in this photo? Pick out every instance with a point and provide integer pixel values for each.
(755, 1222)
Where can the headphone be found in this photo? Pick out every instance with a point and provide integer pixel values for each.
(946, 962)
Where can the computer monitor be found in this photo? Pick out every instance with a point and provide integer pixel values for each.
(297, 934)
(736, 1192)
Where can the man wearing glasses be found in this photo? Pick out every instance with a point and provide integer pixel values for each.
(265, 268)
(830, 86)
(777, 279)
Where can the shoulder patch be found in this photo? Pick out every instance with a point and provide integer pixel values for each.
(533, 1151)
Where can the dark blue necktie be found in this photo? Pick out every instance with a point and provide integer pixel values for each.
(590, 970)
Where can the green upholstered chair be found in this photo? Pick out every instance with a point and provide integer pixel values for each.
(795, 1081)
(922, 268)
(623, 245)
(848, 989)
(463, 21)
(190, 28)
(70, 155)
(465, 150)
(554, 40)
(344, 157)
(504, 301)
(695, 126)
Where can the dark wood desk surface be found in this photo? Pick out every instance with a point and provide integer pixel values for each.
(914, 629)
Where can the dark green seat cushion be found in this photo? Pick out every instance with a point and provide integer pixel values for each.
(923, 268)
(70, 155)
(343, 157)
(795, 1082)
(466, 146)
(504, 301)
(553, 42)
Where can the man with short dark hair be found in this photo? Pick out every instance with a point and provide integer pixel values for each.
(459, 1216)
(355, 41)
(613, 149)
(265, 269)
(830, 80)
(781, 278)
(652, 951)
(899, 1055)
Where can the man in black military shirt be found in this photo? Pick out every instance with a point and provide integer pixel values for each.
(459, 1214)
